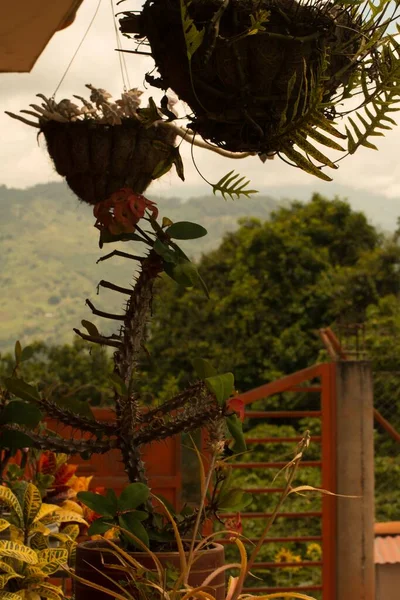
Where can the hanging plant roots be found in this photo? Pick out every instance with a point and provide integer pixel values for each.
(260, 64)
(98, 159)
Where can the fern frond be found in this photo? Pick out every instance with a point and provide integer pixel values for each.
(382, 106)
(303, 163)
(232, 184)
(302, 143)
(193, 36)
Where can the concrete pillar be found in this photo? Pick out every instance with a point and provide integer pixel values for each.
(355, 569)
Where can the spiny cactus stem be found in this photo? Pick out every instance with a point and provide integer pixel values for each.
(121, 254)
(68, 417)
(103, 341)
(103, 314)
(58, 444)
(115, 288)
(174, 403)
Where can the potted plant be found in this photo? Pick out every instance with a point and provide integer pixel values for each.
(270, 77)
(126, 575)
(127, 215)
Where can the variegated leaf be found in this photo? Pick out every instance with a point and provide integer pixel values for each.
(4, 579)
(18, 551)
(59, 555)
(45, 510)
(4, 525)
(39, 542)
(31, 504)
(11, 501)
(49, 591)
(6, 568)
(71, 506)
(11, 595)
(67, 516)
(71, 530)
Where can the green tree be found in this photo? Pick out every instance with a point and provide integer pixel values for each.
(272, 286)
(79, 371)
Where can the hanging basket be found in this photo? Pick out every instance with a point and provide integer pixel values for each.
(105, 145)
(247, 68)
(97, 159)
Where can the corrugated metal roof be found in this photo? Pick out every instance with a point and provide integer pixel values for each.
(387, 549)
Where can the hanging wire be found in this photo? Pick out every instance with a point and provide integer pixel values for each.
(121, 55)
(77, 50)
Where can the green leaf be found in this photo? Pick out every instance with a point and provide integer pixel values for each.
(133, 496)
(17, 351)
(107, 238)
(235, 428)
(119, 384)
(90, 328)
(27, 353)
(163, 167)
(100, 504)
(21, 413)
(184, 230)
(203, 368)
(235, 500)
(232, 184)
(129, 522)
(14, 440)
(222, 386)
(193, 36)
(166, 253)
(21, 389)
(100, 526)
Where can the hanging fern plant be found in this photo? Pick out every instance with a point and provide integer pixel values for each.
(272, 76)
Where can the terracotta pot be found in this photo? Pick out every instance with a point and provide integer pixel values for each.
(98, 159)
(93, 558)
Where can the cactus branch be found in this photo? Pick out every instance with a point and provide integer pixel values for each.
(103, 341)
(121, 254)
(115, 288)
(58, 444)
(68, 417)
(103, 314)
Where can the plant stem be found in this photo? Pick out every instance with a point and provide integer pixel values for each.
(201, 508)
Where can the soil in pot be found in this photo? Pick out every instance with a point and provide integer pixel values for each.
(94, 560)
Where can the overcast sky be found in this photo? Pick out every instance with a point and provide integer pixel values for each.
(23, 163)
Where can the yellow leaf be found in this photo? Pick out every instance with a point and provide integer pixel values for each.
(45, 510)
(70, 505)
(4, 525)
(31, 503)
(11, 501)
(67, 516)
(18, 551)
(59, 555)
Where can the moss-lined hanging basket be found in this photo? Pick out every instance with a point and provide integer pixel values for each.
(261, 76)
(105, 146)
(97, 159)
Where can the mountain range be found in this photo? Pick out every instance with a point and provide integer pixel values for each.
(49, 248)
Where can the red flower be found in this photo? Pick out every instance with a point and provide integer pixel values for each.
(122, 211)
(236, 404)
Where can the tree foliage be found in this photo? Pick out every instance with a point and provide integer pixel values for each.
(272, 286)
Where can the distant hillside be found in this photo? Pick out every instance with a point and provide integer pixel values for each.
(49, 248)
